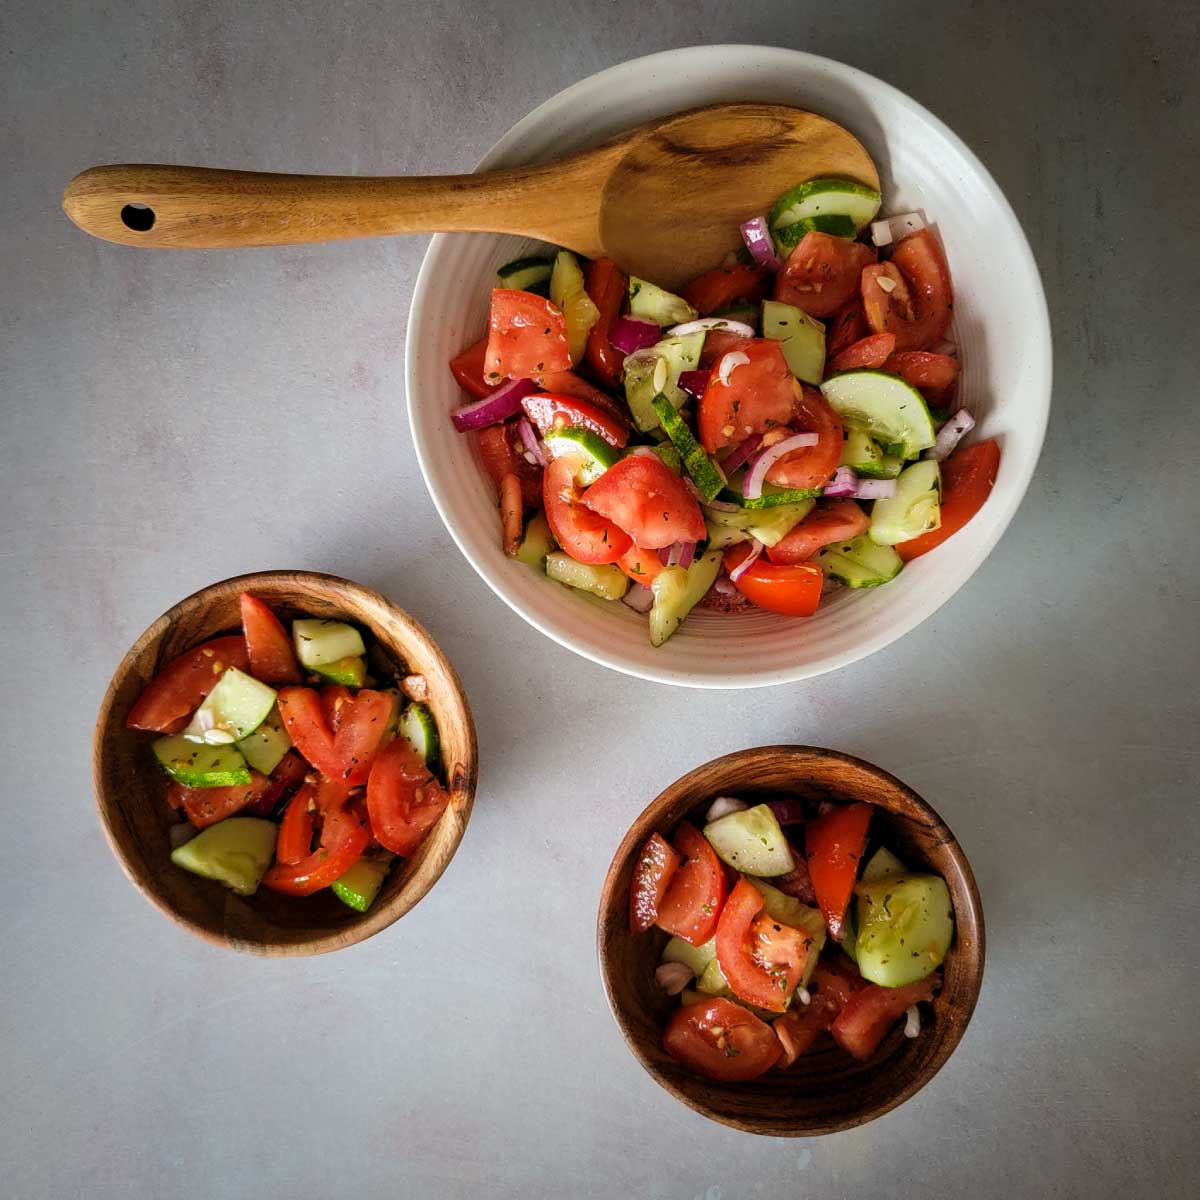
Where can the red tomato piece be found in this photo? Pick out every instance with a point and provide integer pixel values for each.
(289, 773)
(334, 698)
(721, 1040)
(304, 719)
(718, 343)
(968, 476)
(642, 566)
(527, 335)
(497, 447)
(871, 1012)
(404, 800)
(822, 273)
(548, 411)
(171, 696)
(867, 353)
(645, 498)
(918, 307)
(605, 284)
(811, 467)
(830, 988)
(207, 806)
(345, 834)
(830, 521)
(467, 370)
(725, 286)
(567, 383)
(793, 590)
(933, 375)
(362, 724)
(847, 326)
(797, 881)
(272, 658)
(759, 395)
(652, 875)
(692, 905)
(296, 829)
(583, 534)
(833, 845)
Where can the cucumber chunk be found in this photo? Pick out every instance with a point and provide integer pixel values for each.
(678, 591)
(655, 304)
(915, 508)
(772, 496)
(594, 453)
(525, 274)
(359, 886)
(790, 911)
(712, 980)
(826, 197)
(882, 864)
(905, 926)
(751, 841)
(265, 747)
(196, 764)
(420, 730)
(788, 237)
(235, 852)
(695, 958)
(801, 338)
(860, 563)
(238, 705)
(865, 457)
(884, 406)
(645, 378)
(350, 671)
(536, 543)
(319, 642)
(769, 525)
(691, 996)
(606, 581)
(721, 537)
(666, 452)
(567, 291)
(708, 480)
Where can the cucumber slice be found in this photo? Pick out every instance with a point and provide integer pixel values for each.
(801, 337)
(594, 453)
(420, 730)
(861, 453)
(708, 480)
(606, 581)
(884, 406)
(849, 939)
(860, 563)
(751, 841)
(691, 996)
(666, 452)
(882, 864)
(915, 508)
(769, 525)
(790, 911)
(319, 642)
(523, 274)
(788, 237)
(536, 543)
(905, 926)
(645, 378)
(265, 747)
(350, 671)
(238, 705)
(359, 886)
(747, 313)
(196, 764)
(235, 852)
(826, 197)
(712, 980)
(567, 291)
(678, 591)
(721, 537)
(652, 302)
(695, 958)
(772, 496)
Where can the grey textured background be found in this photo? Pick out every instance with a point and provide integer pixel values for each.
(172, 419)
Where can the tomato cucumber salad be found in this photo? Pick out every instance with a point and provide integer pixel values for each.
(290, 766)
(777, 938)
(785, 421)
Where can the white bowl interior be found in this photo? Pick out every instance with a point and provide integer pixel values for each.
(1000, 325)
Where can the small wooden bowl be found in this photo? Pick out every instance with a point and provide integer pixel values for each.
(827, 1090)
(130, 789)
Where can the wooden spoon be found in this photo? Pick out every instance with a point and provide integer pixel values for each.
(664, 200)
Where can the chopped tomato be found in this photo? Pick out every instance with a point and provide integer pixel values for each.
(549, 411)
(933, 375)
(567, 383)
(830, 988)
(306, 724)
(725, 286)
(830, 521)
(871, 1012)
(296, 829)
(404, 800)
(645, 498)
(652, 874)
(692, 905)
(847, 326)
(721, 1040)
(793, 590)
(345, 834)
(334, 698)
(918, 306)
(272, 658)
(497, 447)
(207, 805)
(811, 467)
(762, 959)
(467, 370)
(833, 845)
(758, 395)
(361, 727)
(718, 343)
(171, 696)
(642, 566)
(968, 476)
(867, 353)
(289, 773)
(822, 273)
(605, 284)
(527, 335)
(586, 536)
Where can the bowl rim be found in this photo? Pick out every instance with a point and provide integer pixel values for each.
(367, 924)
(646, 821)
(505, 152)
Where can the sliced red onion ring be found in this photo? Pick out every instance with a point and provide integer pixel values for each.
(721, 505)
(756, 548)
(693, 382)
(630, 334)
(664, 555)
(946, 347)
(639, 598)
(706, 323)
(757, 236)
(725, 368)
(756, 476)
(741, 454)
(843, 483)
(894, 229)
(725, 588)
(673, 554)
(673, 977)
(503, 403)
(687, 553)
(533, 443)
(950, 435)
(788, 812)
(875, 489)
(722, 806)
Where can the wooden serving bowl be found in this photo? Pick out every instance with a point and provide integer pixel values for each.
(131, 789)
(827, 1090)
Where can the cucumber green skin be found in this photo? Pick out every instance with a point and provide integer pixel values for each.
(695, 958)
(915, 509)
(698, 465)
(771, 499)
(523, 274)
(824, 198)
(596, 454)
(655, 304)
(897, 416)
(859, 563)
(666, 452)
(536, 543)
(265, 747)
(196, 764)
(318, 642)
(606, 581)
(235, 852)
(421, 732)
(905, 927)
(677, 592)
(751, 841)
(350, 671)
(359, 886)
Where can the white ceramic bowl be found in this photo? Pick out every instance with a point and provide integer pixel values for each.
(1000, 324)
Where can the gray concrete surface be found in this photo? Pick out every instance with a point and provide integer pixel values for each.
(168, 420)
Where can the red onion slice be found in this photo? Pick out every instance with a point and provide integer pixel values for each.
(630, 334)
(673, 977)
(875, 489)
(730, 361)
(950, 435)
(687, 554)
(788, 812)
(756, 476)
(747, 562)
(912, 1021)
(704, 324)
(532, 443)
(843, 483)
(503, 403)
(757, 236)
(693, 382)
(741, 454)
(639, 598)
(946, 347)
(664, 555)
(895, 229)
(725, 506)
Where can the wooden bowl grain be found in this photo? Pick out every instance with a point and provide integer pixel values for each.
(827, 1090)
(130, 789)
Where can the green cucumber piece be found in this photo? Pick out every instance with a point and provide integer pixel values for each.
(666, 451)
(594, 453)
(801, 337)
(860, 563)
(606, 581)
(646, 378)
(420, 730)
(849, 932)
(523, 274)
(196, 764)
(882, 864)
(905, 927)
(861, 453)
(769, 525)
(745, 312)
(235, 852)
(237, 706)
(677, 591)
(695, 958)
(884, 406)
(655, 304)
(772, 496)
(567, 291)
(790, 911)
(751, 841)
(692, 996)
(536, 543)
(708, 480)
(721, 537)
(825, 197)
(915, 508)
(712, 980)
(265, 747)
(350, 671)
(319, 642)
(788, 237)
(359, 886)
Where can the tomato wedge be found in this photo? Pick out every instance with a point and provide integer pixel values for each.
(718, 343)
(362, 724)
(725, 286)
(549, 411)
(304, 719)
(830, 988)
(296, 829)
(171, 696)
(762, 959)
(583, 534)
(567, 383)
(920, 302)
(830, 521)
(692, 905)
(933, 375)
(334, 698)
(467, 370)
(526, 335)
(871, 1012)
(207, 806)
(404, 800)
(645, 498)
(811, 466)
(642, 566)
(345, 834)
(758, 395)
(968, 477)
(721, 1040)
(652, 874)
(272, 658)
(793, 590)
(833, 845)
(497, 447)
(289, 773)
(869, 352)
(822, 273)
(847, 326)
(605, 284)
